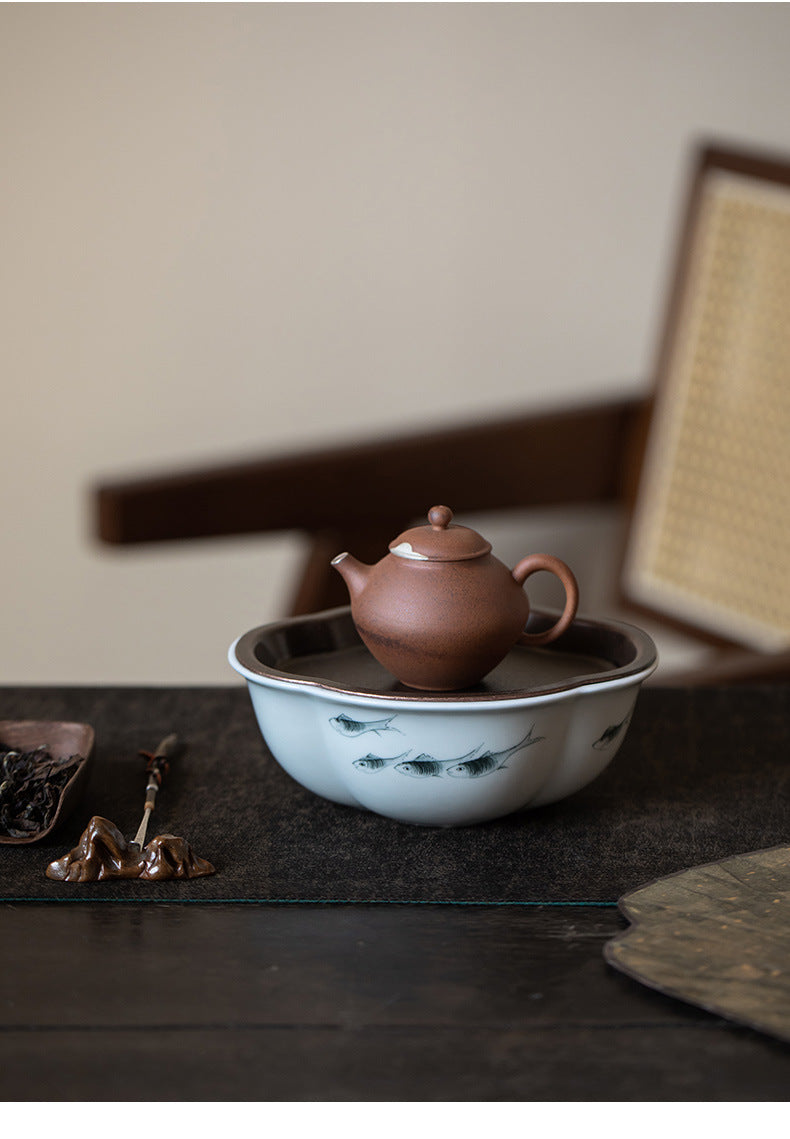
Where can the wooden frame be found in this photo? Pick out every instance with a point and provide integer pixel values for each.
(358, 496)
(709, 540)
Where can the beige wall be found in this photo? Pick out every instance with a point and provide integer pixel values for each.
(228, 229)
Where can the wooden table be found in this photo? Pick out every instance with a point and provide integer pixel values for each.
(279, 1002)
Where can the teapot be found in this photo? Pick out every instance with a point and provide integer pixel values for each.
(440, 611)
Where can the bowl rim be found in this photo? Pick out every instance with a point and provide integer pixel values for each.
(243, 659)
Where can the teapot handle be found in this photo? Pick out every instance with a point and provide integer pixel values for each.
(531, 564)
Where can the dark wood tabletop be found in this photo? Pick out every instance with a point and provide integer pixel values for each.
(222, 1000)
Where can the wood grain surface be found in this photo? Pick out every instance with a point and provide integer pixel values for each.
(354, 1003)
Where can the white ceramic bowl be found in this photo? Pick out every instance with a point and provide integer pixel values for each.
(542, 725)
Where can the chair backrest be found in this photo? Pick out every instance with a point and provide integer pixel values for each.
(709, 539)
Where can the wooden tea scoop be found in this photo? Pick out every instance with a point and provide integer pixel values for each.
(103, 852)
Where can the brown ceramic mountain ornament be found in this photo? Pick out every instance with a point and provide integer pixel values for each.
(440, 611)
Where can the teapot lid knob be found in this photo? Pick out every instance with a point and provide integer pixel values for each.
(440, 517)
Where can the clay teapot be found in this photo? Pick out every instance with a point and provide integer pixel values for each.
(440, 611)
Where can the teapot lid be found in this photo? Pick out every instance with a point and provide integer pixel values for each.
(440, 542)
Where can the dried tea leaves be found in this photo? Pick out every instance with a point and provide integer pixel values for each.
(31, 784)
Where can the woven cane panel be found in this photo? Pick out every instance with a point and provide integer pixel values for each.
(711, 535)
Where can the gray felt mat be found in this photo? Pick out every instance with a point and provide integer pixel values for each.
(703, 774)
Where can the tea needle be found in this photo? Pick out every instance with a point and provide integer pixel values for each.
(157, 768)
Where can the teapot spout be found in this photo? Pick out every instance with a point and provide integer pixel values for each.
(353, 572)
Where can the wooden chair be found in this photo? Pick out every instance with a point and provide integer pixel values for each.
(637, 454)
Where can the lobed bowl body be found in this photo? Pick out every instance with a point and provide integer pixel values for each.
(541, 726)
